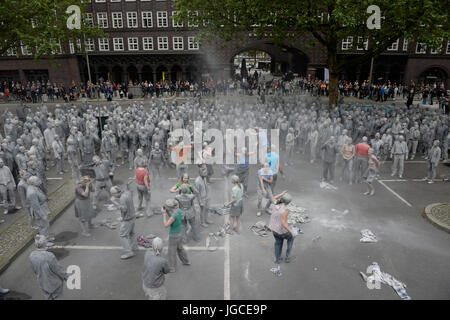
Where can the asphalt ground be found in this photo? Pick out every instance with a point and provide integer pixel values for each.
(329, 255)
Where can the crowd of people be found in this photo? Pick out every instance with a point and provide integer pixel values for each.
(37, 92)
(354, 139)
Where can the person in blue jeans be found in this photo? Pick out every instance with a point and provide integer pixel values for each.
(280, 229)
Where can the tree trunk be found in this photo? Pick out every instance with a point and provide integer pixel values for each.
(333, 81)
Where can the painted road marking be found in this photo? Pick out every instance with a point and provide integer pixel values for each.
(56, 178)
(121, 248)
(393, 180)
(174, 178)
(394, 193)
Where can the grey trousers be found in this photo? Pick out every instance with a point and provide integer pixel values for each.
(361, 167)
(261, 195)
(176, 248)
(156, 170)
(99, 185)
(243, 173)
(431, 171)
(399, 163)
(8, 190)
(155, 293)
(128, 236)
(43, 226)
(143, 194)
(194, 228)
(413, 147)
(60, 163)
(348, 165)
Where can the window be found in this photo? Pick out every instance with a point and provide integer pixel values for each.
(147, 20)
(102, 20)
(393, 46)
(405, 44)
(133, 44)
(347, 43)
(132, 20)
(362, 45)
(71, 47)
(192, 43)
(89, 43)
(162, 19)
(117, 20)
(115, 0)
(448, 47)
(26, 50)
(57, 47)
(163, 43)
(175, 24)
(103, 44)
(147, 43)
(100, 1)
(436, 51)
(118, 44)
(420, 48)
(177, 43)
(11, 52)
(191, 24)
(89, 19)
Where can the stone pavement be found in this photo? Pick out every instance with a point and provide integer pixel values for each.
(439, 215)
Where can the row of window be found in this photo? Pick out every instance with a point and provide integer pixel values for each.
(118, 44)
(362, 44)
(162, 19)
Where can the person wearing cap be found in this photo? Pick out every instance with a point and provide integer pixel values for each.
(280, 229)
(50, 274)
(399, 152)
(236, 204)
(371, 172)
(83, 206)
(124, 202)
(153, 275)
(172, 219)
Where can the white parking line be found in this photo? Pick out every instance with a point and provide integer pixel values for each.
(226, 270)
(121, 248)
(394, 193)
(393, 180)
(174, 178)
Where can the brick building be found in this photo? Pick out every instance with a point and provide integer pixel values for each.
(144, 43)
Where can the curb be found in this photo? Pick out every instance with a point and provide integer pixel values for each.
(429, 216)
(19, 233)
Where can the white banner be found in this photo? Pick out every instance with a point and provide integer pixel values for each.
(326, 75)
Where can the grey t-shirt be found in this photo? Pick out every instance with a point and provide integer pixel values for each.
(155, 267)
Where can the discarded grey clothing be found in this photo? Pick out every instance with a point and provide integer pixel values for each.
(382, 277)
(260, 228)
(268, 195)
(155, 267)
(367, 236)
(49, 272)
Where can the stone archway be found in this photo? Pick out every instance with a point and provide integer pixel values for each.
(147, 73)
(176, 73)
(192, 73)
(433, 74)
(103, 73)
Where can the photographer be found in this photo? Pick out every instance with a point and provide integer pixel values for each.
(172, 218)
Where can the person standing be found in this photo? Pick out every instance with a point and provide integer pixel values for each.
(265, 179)
(243, 168)
(50, 274)
(362, 158)
(83, 206)
(400, 152)
(128, 217)
(203, 195)
(39, 210)
(434, 155)
(143, 187)
(371, 172)
(7, 187)
(58, 154)
(172, 219)
(236, 204)
(330, 149)
(280, 229)
(155, 268)
(273, 159)
(186, 204)
(348, 152)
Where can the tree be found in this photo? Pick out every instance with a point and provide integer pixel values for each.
(40, 26)
(326, 22)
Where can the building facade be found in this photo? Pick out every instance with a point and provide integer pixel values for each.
(144, 43)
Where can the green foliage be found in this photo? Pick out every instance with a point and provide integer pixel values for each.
(328, 21)
(40, 25)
